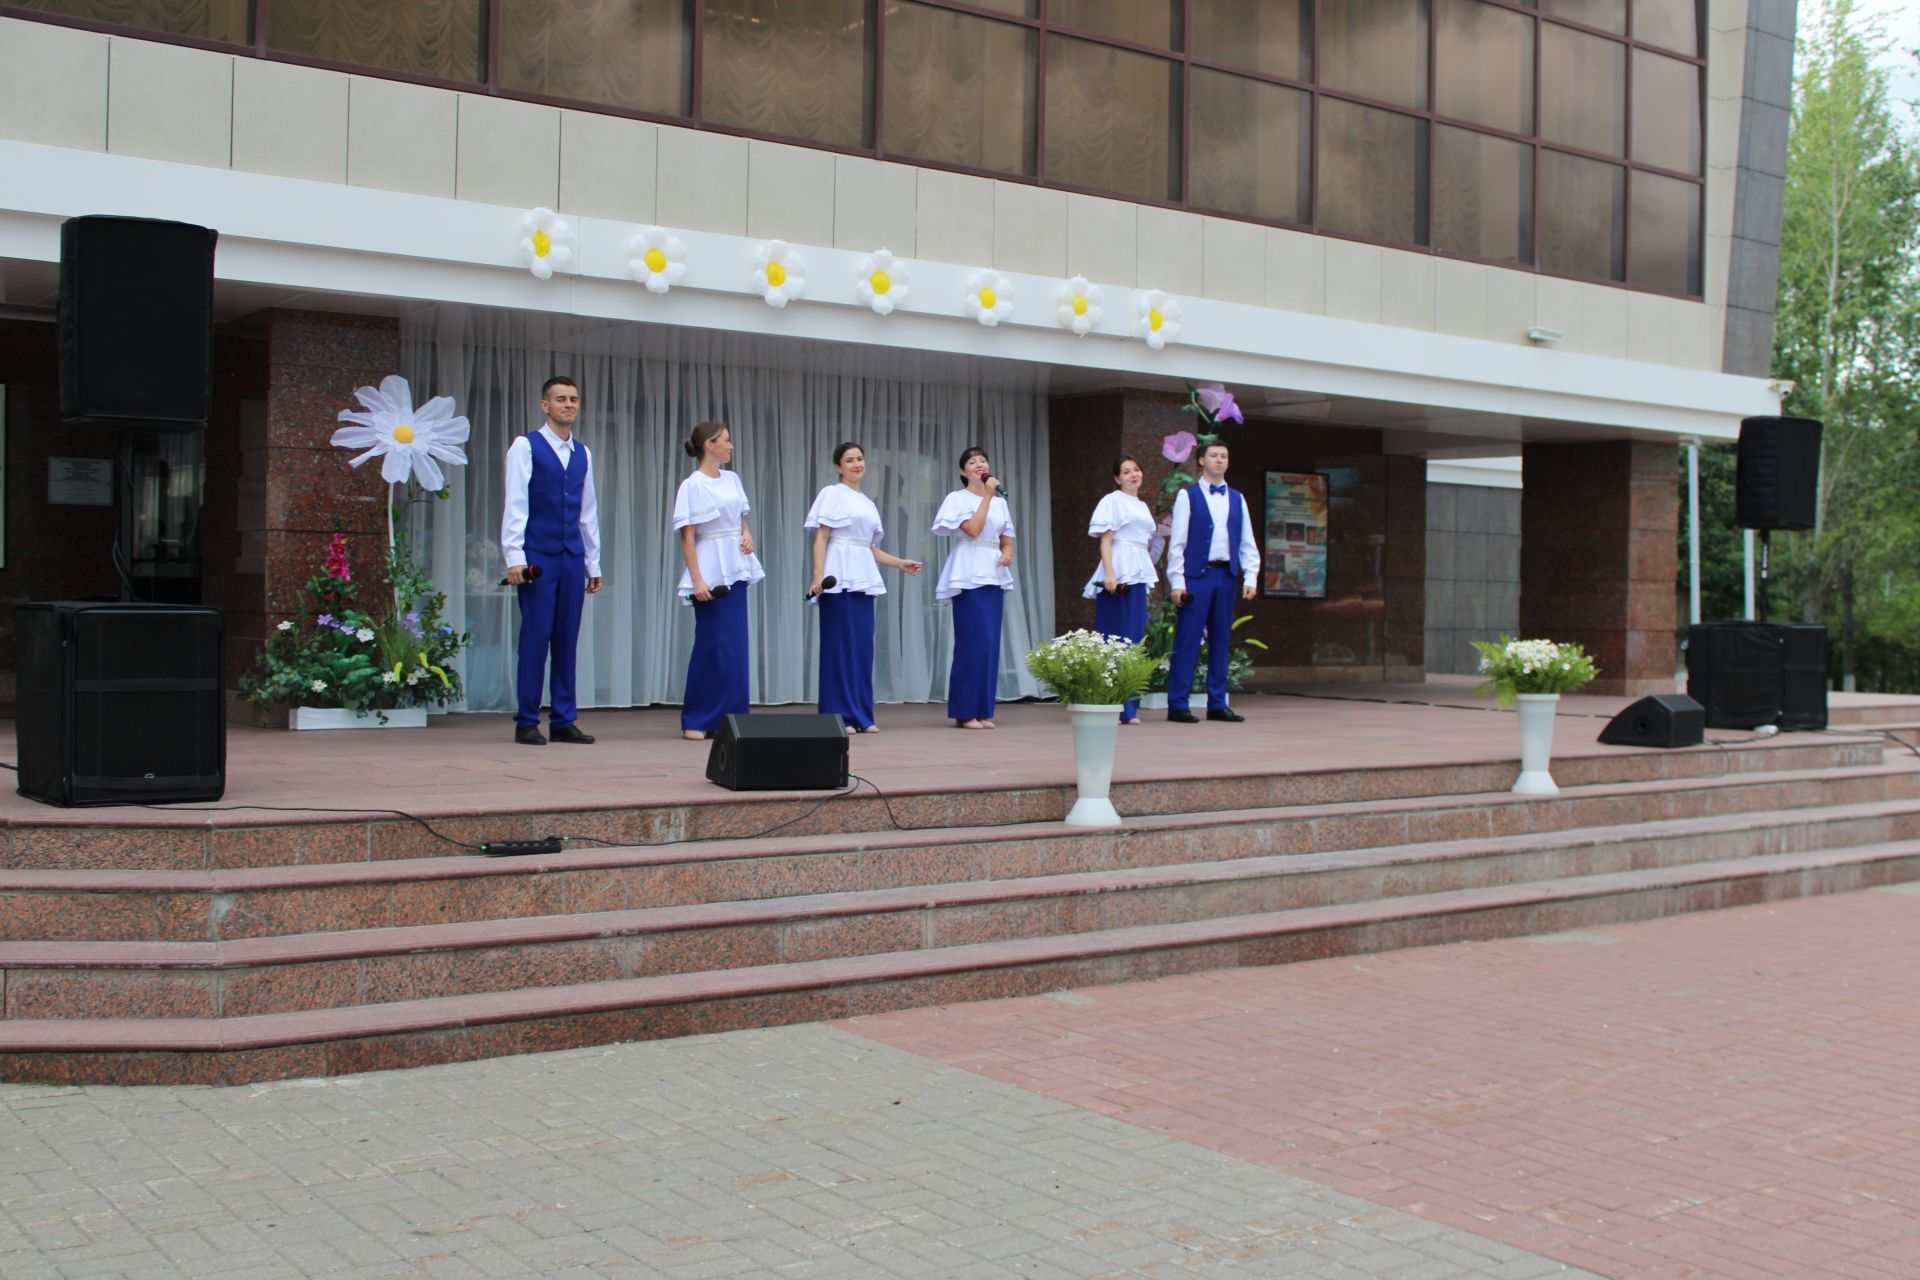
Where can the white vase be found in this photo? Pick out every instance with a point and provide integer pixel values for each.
(1096, 730)
(341, 718)
(1536, 744)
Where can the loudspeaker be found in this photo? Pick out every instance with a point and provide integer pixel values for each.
(120, 703)
(1803, 675)
(135, 324)
(780, 753)
(1733, 672)
(1664, 720)
(1777, 478)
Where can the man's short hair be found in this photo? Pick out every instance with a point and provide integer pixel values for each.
(1214, 444)
(557, 380)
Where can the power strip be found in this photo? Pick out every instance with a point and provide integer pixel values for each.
(520, 848)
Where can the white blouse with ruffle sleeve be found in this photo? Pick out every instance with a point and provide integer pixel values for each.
(854, 527)
(973, 562)
(1131, 523)
(713, 507)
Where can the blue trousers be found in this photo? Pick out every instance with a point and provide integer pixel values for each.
(717, 670)
(550, 609)
(846, 657)
(974, 677)
(1123, 615)
(1210, 615)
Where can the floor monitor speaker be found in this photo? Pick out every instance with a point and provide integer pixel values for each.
(1803, 675)
(1664, 720)
(1733, 672)
(120, 703)
(1777, 475)
(779, 753)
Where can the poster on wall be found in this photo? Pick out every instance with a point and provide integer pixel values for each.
(1295, 556)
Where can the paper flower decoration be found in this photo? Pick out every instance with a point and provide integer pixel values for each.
(548, 242)
(1216, 403)
(1156, 317)
(410, 443)
(779, 274)
(882, 282)
(989, 298)
(1079, 306)
(657, 260)
(1178, 447)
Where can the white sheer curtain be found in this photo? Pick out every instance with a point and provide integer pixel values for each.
(643, 389)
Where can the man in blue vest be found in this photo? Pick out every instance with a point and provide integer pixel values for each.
(1212, 560)
(550, 535)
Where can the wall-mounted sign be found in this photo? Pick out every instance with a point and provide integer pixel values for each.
(1295, 562)
(80, 482)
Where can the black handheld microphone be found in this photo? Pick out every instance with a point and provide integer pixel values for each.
(827, 584)
(1119, 588)
(1004, 491)
(532, 571)
(720, 592)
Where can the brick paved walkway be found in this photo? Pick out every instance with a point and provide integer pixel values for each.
(1731, 1094)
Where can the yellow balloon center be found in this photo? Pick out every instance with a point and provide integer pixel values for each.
(881, 282)
(1155, 319)
(656, 260)
(403, 433)
(1079, 305)
(542, 244)
(988, 298)
(776, 274)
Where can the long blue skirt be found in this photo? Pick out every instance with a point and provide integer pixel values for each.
(846, 657)
(1122, 615)
(974, 677)
(717, 671)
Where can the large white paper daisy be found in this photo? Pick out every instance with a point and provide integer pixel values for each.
(1078, 306)
(1156, 317)
(657, 260)
(882, 282)
(779, 274)
(989, 298)
(411, 443)
(546, 242)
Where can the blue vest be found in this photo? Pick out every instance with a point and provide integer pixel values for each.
(1200, 530)
(553, 499)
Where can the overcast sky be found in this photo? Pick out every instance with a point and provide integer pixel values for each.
(1900, 19)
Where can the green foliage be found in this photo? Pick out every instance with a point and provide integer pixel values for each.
(1159, 646)
(1514, 667)
(1090, 668)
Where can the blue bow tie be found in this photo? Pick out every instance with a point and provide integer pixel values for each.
(1216, 488)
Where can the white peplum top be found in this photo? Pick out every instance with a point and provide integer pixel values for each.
(1131, 523)
(854, 525)
(713, 508)
(973, 562)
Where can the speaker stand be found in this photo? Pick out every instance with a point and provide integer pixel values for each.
(1766, 546)
(122, 442)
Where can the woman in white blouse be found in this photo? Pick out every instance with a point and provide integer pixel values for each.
(846, 537)
(709, 513)
(1125, 576)
(977, 576)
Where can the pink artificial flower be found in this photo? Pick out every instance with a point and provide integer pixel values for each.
(1178, 447)
(337, 566)
(1162, 534)
(1218, 403)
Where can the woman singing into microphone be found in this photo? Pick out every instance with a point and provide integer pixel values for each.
(1120, 585)
(709, 513)
(846, 535)
(975, 580)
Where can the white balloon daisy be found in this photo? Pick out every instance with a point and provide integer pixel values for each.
(410, 443)
(1078, 306)
(779, 274)
(547, 242)
(989, 298)
(657, 260)
(1156, 317)
(882, 282)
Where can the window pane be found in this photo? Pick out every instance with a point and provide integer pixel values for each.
(1666, 233)
(1154, 22)
(960, 89)
(1019, 8)
(207, 19)
(1666, 112)
(799, 68)
(1113, 119)
(1373, 172)
(1608, 15)
(420, 37)
(1375, 48)
(1251, 148)
(1485, 65)
(1671, 24)
(621, 55)
(1482, 195)
(1270, 36)
(1583, 216)
(1583, 90)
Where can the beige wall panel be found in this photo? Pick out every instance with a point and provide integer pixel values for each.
(1557, 306)
(1718, 264)
(53, 85)
(401, 137)
(1353, 280)
(701, 181)
(1234, 260)
(1101, 235)
(1169, 251)
(290, 121)
(166, 102)
(874, 205)
(1690, 339)
(1603, 320)
(953, 218)
(1649, 328)
(508, 152)
(789, 193)
(1406, 289)
(1513, 304)
(1296, 272)
(1029, 229)
(607, 166)
(1716, 336)
(1460, 298)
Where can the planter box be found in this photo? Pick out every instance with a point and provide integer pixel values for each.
(1153, 702)
(341, 718)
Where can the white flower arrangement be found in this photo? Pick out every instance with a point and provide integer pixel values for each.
(1514, 667)
(882, 282)
(1156, 317)
(1091, 668)
(657, 260)
(779, 274)
(547, 242)
(989, 298)
(1078, 306)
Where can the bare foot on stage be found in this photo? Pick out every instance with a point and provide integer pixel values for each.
(1135, 720)
(693, 735)
(852, 729)
(988, 724)
(969, 724)
(872, 728)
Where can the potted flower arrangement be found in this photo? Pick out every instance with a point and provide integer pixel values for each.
(1532, 674)
(1092, 674)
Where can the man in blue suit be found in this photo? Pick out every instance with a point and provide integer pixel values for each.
(1212, 559)
(550, 536)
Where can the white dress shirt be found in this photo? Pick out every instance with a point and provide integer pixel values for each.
(1217, 550)
(513, 521)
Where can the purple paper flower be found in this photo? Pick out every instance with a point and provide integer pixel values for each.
(324, 620)
(412, 623)
(1178, 447)
(1218, 403)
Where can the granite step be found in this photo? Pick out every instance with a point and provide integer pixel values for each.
(452, 1028)
(227, 905)
(370, 966)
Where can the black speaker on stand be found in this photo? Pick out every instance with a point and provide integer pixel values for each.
(1776, 482)
(779, 753)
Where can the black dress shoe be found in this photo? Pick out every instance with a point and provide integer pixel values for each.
(1225, 713)
(1180, 715)
(569, 733)
(529, 737)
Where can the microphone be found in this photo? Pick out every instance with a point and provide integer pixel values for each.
(532, 572)
(1120, 588)
(1004, 491)
(827, 584)
(720, 592)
